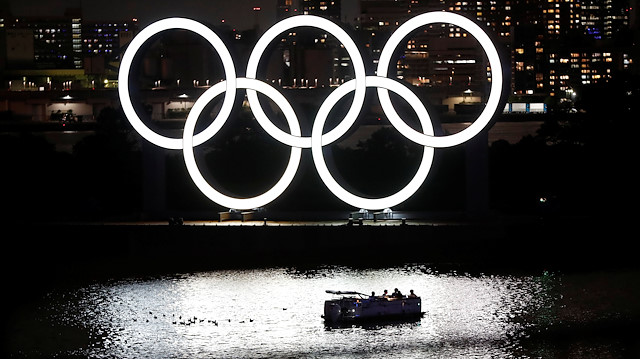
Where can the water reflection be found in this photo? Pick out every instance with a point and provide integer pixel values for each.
(277, 313)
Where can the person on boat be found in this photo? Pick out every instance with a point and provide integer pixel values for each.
(373, 296)
(412, 294)
(385, 294)
(397, 293)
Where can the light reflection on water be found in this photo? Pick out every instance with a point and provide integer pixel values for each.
(277, 313)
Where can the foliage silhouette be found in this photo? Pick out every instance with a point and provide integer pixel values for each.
(109, 167)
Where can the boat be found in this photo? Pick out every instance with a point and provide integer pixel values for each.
(350, 307)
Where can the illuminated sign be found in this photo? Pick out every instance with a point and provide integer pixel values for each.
(318, 139)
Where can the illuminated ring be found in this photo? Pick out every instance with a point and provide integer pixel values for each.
(317, 139)
(125, 68)
(358, 65)
(317, 143)
(188, 143)
(496, 79)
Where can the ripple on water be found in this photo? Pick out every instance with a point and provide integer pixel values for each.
(276, 312)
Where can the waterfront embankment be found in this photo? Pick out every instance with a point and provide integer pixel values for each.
(54, 252)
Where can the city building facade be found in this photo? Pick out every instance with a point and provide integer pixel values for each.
(553, 49)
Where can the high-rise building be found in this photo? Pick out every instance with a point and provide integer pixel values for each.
(284, 8)
(554, 45)
(56, 40)
(311, 58)
(327, 8)
(561, 18)
(377, 21)
(604, 19)
(540, 36)
(63, 42)
(442, 59)
(106, 38)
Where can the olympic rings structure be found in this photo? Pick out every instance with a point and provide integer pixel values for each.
(318, 139)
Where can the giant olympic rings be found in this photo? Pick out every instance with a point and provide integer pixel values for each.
(318, 139)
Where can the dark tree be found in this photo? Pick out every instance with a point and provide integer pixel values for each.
(108, 163)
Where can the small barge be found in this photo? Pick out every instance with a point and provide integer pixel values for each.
(357, 307)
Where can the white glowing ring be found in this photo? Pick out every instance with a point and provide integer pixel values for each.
(317, 143)
(358, 66)
(192, 167)
(317, 139)
(496, 79)
(125, 68)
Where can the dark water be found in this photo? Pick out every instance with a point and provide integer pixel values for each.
(276, 313)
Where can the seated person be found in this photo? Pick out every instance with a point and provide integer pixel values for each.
(397, 293)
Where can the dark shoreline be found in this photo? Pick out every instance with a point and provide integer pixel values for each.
(67, 252)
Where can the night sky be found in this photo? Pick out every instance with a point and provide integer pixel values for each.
(212, 11)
